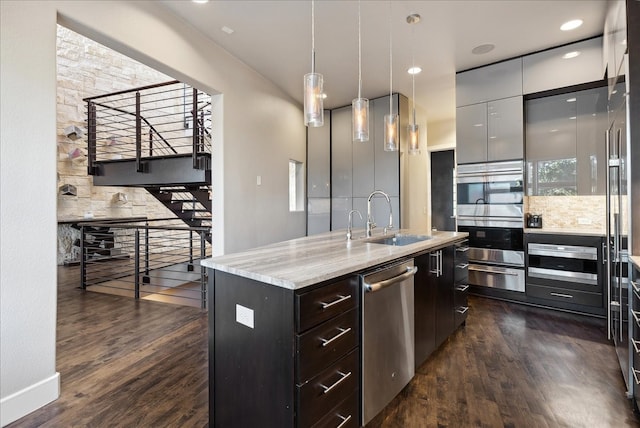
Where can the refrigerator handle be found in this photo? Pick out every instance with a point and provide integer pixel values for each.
(618, 228)
(608, 235)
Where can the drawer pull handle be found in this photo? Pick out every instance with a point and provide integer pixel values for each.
(636, 345)
(636, 316)
(462, 249)
(636, 286)
(635, 376)
(340, 299)
(463, 265)
(463, 287)
(566, 296)
(338, 382)
(462, 310)
(344, 420)
(343, 331)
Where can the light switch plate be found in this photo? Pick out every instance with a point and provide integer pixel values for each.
(244, 316)
(584, 220)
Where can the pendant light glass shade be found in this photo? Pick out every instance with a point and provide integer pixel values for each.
(313, 82)
(360, 106)
(360, 119)
(414, 139)
(391, 122)
(313, 100)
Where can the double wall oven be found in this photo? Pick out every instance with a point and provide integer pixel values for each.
(490, 209)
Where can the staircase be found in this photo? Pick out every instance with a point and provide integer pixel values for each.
(156, 137)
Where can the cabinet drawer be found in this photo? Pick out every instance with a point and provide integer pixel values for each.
(319, 305)
(319, 347)
(460, 303)
(565, 295)
(324, 392)
(345, 415)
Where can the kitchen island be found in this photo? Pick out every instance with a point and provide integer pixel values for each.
(285, 325)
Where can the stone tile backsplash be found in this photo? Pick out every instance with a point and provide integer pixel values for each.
(569, 212)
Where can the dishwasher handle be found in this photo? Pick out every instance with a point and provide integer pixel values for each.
(376, 286)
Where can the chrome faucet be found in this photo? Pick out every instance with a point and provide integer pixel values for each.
(370, 223)
(350, 226)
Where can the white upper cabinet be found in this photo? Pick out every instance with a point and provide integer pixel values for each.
(563, 66)
(493, 82)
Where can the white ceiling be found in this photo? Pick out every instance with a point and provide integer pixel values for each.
(274, 38)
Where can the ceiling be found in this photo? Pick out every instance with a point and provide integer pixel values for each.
(274, 38)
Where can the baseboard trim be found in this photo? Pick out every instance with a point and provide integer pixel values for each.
(27, 400)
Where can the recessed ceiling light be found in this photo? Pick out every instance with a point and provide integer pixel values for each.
(477, 125)
(414, 70)
(571, 54)
(571, 25)
(227, 30)
(324, 96)
(571, 100)
(483, 49)
(572, 118)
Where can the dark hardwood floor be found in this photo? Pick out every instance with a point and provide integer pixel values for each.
(144, 364)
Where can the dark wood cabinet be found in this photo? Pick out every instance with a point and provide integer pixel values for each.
(283, 358)
(440, 292)
(461, 283)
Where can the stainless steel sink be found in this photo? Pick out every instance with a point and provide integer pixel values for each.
(399, 239)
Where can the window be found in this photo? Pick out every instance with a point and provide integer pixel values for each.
(296, 186)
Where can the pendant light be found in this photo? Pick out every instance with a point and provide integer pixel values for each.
(390, 120)
(414, 129)
(313, 96)
(360, 106)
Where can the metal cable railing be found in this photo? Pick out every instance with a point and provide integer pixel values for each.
(160, 120)
(153, 262)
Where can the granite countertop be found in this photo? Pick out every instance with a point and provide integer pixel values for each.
(635, 260)
(309, 260)
(567, 231)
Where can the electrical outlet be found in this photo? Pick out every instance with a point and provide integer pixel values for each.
(259, 180)
(584, 220)
(244, 316)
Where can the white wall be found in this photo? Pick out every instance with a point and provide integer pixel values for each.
(262, 129)
(27, 208)
(414, 179)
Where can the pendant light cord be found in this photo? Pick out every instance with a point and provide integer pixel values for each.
(413, 65)
(390, 62)
(359, 55)
(313, 38)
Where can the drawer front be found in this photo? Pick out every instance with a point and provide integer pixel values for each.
(461, 272)
(565, 295)
(462, 252)
(461, 304)
(319, 347)
(324, 392)
(324, 303)
(345, 415)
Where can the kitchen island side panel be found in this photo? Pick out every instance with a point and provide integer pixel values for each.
(251, 382)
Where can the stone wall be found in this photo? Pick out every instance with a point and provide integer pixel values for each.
(85, 69)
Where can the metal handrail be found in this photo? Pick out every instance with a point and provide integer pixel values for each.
(107, 116)
(140, 259)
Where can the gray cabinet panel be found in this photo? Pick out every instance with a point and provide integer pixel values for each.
(501, 80)
(505, 129)
(318, 215)
(551, 128)
(341, 153)
(549, 70)
(318, 159)
(387, 164)
(471, 133)
(340, 208)
(592, 122)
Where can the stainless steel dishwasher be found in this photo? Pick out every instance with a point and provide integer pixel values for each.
(388, 355)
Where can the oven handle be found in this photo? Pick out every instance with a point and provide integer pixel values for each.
(376, 286)
(493, 270)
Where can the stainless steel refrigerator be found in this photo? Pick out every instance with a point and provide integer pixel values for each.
(618, 230)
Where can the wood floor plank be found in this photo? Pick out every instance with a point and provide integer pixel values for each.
(126, 363)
